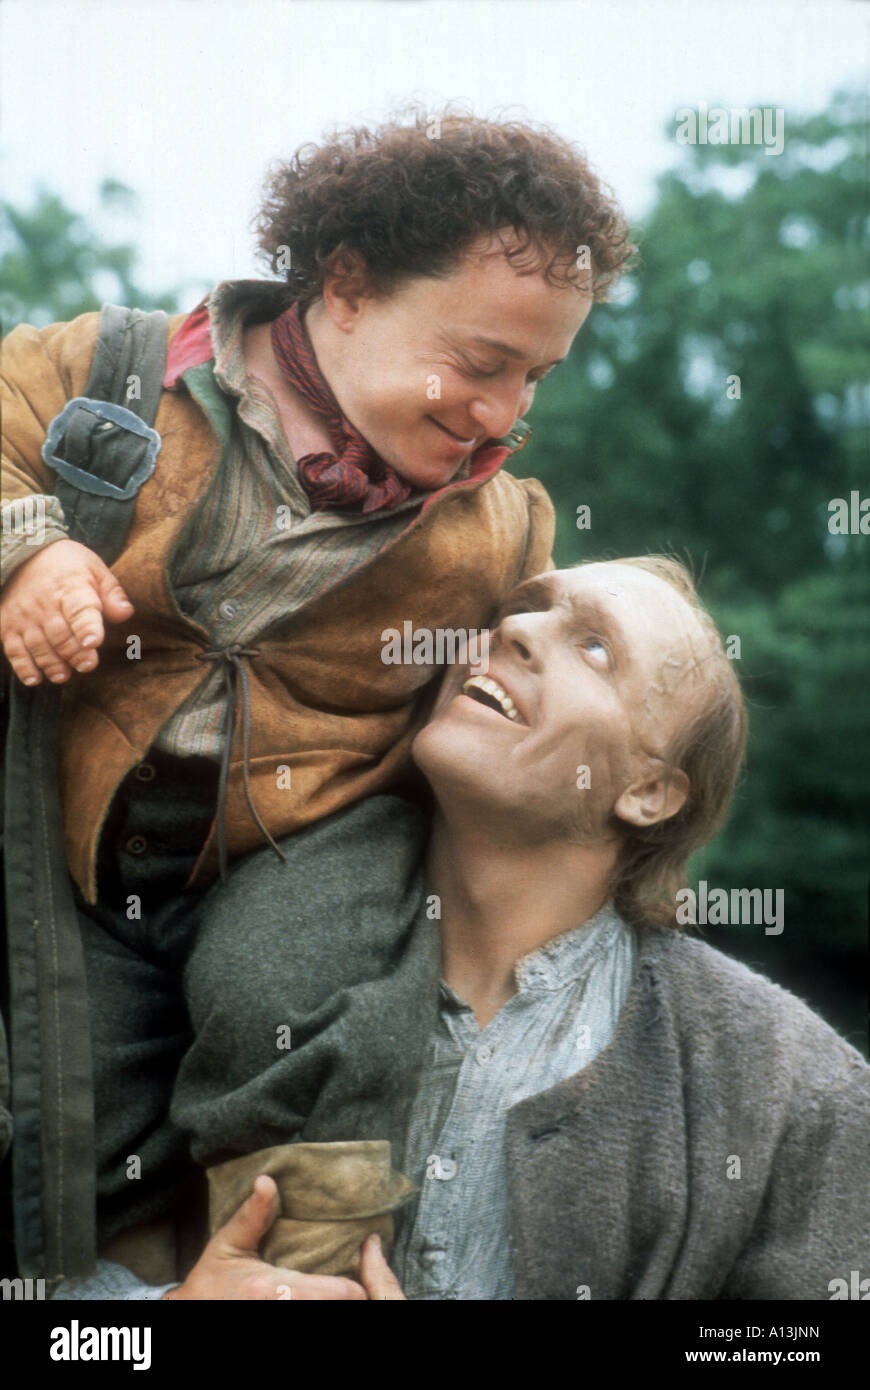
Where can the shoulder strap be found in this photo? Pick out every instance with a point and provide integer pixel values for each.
(102, 448)
(102, 445)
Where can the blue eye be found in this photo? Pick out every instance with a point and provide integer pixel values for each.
(596, 645)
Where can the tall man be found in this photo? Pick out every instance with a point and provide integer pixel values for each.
(608, 1109)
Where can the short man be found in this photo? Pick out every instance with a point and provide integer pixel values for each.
(608, 1109)
(332, 444)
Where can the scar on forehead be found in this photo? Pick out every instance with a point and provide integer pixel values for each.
(673, 670)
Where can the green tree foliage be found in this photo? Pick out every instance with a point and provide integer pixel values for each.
(753, 266)
(54, 264)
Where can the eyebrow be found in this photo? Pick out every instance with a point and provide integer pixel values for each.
(535, 590)
(510, 351)
(584, 608)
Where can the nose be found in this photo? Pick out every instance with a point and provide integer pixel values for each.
(524, 636)
(498, 407)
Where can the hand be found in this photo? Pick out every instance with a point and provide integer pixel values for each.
(229, 1267)
(380, 1281)
(52, 610)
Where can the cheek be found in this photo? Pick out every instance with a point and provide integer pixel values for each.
(396, 398)
(590, 748)
(449, 754)
(409, 399)
(527, 400)
(386, 388)
(454, 393)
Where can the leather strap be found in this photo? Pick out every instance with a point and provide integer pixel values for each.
(53, 1158)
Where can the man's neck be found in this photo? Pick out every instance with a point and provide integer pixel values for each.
(499, 901)
(306, 432)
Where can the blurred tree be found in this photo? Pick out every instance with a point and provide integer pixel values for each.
(55, 265)
(713, 411)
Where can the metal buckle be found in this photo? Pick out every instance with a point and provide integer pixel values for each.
(116, 415)
(519, 438)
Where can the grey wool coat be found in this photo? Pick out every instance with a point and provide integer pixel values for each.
(719, 1148)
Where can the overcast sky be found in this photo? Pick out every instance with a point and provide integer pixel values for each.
(188, 100)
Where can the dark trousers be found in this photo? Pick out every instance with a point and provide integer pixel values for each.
(135, 940)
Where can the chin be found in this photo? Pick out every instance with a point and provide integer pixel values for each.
(449, 758)
(444, 755)
(427, 475)
(422, 748)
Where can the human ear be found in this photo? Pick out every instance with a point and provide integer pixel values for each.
(653, 798)
(345, 286)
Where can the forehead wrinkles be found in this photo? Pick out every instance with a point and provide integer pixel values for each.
(688, 647)
(668, 670)
(650, 604)
(682, 671)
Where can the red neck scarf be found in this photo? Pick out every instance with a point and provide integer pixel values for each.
(354, 476)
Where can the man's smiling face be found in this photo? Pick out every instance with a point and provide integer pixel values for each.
(429, 372)
(593, 667)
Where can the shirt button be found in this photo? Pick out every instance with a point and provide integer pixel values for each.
(228, 609)
(484, 1054)
(146, 772)
(137, 844)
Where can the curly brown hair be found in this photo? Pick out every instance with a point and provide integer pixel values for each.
(411, 196)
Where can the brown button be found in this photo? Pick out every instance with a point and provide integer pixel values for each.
(137, 844)
(146, 772)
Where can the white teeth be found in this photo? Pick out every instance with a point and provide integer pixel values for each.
(493, 688)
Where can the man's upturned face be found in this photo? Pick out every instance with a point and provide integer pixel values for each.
(419, 374)
(600, 665)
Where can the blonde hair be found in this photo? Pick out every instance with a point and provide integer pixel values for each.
(709, 749)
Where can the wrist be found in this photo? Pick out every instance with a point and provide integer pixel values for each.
(17, 550)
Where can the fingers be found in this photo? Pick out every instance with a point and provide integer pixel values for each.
(51, 617)
(116, 605)
(71, 632)
(34, 651)
(20, 660)
(230, 1267)
(58, 641)
(379, 1280)
(241, 1235)
(82, 614)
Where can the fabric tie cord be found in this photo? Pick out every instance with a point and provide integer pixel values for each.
(235, 676)
(355, 477)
